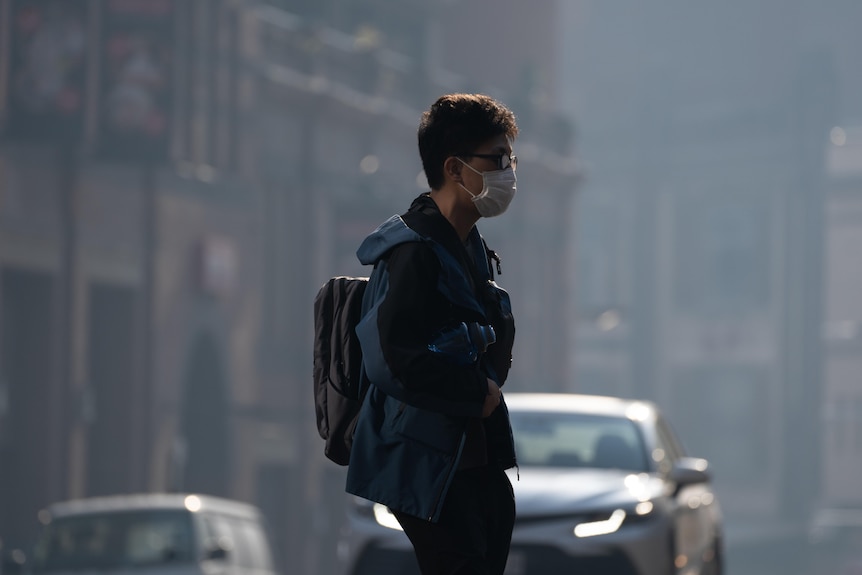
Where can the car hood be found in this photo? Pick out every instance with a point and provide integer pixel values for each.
(554, 491)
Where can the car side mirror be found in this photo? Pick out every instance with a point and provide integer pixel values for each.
(218, 553)
(689, 471)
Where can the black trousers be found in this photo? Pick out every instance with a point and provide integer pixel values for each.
(475, 528)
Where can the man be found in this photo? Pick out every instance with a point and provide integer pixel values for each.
(433, 437)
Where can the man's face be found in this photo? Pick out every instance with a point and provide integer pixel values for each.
(493, 154)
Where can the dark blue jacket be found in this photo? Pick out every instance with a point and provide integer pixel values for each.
(411, 428)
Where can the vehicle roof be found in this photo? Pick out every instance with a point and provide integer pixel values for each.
(150, 501)
(580, 403)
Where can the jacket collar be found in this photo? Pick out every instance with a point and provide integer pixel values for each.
(426, 219)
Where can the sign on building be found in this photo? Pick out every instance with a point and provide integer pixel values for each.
(46, 80)
(136, 79)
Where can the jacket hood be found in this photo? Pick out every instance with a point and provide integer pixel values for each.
(389, 234)
(395, 230)
(426, 222)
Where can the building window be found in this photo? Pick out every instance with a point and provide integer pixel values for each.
(722, 413)
(721, 254)
(846, 424)
(600, 258)
(857, 424)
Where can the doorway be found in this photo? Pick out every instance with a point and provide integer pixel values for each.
(205, 425)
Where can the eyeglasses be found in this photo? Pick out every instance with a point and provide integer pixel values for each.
(503, 161)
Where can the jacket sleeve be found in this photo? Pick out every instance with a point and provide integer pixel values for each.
(407, 318)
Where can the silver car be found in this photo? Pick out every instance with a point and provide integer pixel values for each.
(152, 534)
(603, 486)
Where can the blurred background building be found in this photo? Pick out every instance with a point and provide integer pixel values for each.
(176, 181)
(177, 178)
(714, 238)
(841, 413)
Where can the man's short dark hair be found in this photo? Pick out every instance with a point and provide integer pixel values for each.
(457, 124)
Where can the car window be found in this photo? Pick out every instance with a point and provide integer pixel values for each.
(545, 439)
(668, 439)
(254, 539)
(668, 449)
(247, 545)
(227, 537)
(115, 540)
(211, 536)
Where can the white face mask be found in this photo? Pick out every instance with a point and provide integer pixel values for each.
(498, 189)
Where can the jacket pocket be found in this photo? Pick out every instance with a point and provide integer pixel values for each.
(429, 428)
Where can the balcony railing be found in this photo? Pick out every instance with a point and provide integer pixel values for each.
(358, 72)
(353, 69)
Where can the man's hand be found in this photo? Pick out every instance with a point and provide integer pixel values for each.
(492, 400)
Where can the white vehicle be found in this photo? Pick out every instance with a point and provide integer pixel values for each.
(152, 534)
(603, 487)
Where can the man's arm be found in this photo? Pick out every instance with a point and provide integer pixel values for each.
(407, 319)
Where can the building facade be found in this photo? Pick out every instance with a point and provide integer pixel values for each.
(176, 181)
(702, 230)
(841, 415)
(127, 220)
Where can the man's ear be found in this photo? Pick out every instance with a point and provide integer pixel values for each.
(452, 167)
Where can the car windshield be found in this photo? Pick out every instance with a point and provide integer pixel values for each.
(115, 539)
(544, 439)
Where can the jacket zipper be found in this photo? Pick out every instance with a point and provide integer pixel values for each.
(493, 256)
(450, 474)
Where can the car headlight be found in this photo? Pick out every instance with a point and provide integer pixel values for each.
(385, 518)
(380, 513)
(613, 522)
(602, 526)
